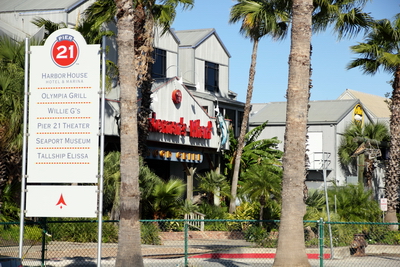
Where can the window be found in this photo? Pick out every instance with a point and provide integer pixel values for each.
(211, 79)
(160, 63)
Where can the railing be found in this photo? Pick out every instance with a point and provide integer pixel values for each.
(196, 220)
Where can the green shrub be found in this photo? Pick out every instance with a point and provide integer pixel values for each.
(80, 230)
(150, 234)
(33, 233)
(110, 232)
(314, 242)
(214, 212)
(261, 237)
(390, 238)
(9, 232)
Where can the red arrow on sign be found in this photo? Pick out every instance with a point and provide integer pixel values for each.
(61, 202)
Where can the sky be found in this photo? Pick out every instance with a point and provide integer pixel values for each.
(330, 78)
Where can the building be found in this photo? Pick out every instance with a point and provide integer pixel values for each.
(327, 121)
(376, 106)
(16, 16)
(191, 83)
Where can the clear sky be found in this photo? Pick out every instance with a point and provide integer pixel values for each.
(329, 59)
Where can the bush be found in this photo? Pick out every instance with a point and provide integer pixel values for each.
(33, 233)
(81, 230)
(261, 237)
(9, 233)
(110, 232)
(214, 212)
(150, 234)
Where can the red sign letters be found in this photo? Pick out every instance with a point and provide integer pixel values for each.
(180, 128)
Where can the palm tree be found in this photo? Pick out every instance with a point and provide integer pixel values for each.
(214, 184)
(259, 18)
(350, 203)
(129, 241)
(291, 247)
(262, 183)
(48, 25)
(354, 142)
(347, 20)
(380, 50)
(254, 151)
(346, 17)
(166, 197)
(354, 203)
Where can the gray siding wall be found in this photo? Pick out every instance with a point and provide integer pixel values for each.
(22, 20)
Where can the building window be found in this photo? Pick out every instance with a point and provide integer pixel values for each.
(211, 79)
(160, 63)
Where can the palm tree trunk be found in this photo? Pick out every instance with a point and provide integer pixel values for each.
(360, 168)
(393, 169)
(144, 37)
(243, 128)
(291, 247)
(129, 243)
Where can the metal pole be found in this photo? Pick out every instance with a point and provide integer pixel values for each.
(43, 223)
(103, 89)
(327, 203)
(186, 237)
(24, 147)
(321, 242)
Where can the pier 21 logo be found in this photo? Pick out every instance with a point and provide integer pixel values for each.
(65, 51)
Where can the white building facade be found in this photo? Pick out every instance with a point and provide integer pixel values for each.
(327, 121)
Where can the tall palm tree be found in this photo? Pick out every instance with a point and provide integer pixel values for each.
(262, 183)
(347, 19)
(380, 50)
(259, 18)
(129, 241)
(291, 247)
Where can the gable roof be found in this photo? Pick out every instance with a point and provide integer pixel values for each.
(24, 5)
(320, 112)
(373, 104)
(194, 38)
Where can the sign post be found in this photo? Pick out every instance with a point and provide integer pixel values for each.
(62, 130)
(383, 206)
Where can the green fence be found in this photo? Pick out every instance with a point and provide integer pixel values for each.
(50, 242)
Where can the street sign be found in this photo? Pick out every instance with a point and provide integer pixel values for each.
(61, 201)
(383, 204)
(63, 140)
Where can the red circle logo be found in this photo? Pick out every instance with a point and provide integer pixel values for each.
(65, 51)
(177, 96)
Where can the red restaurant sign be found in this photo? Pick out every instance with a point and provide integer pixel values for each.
(180, 128)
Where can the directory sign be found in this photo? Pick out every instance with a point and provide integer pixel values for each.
(63, 126)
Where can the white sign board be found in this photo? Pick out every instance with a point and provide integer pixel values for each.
(63, 141)
(61, 201)
(383, 204)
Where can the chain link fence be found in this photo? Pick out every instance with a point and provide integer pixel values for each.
(50, 242)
